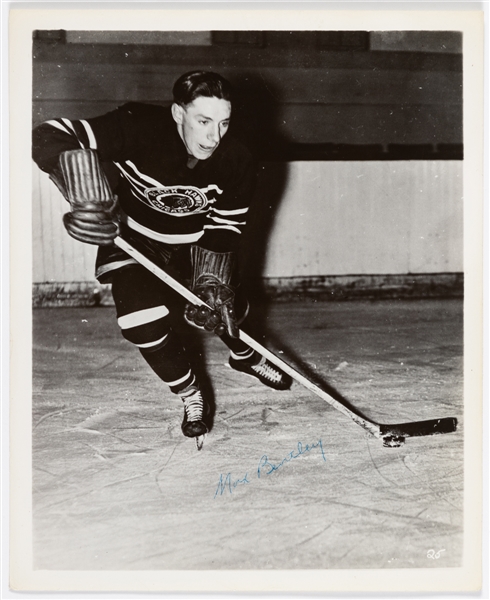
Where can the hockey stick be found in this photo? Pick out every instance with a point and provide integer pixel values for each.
(391, 435)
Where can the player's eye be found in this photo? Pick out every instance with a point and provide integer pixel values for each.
(203, 122)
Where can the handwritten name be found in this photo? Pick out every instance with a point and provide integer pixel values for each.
(265, 462)
(227, 483)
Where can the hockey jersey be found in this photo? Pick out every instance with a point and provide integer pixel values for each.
(164, 196)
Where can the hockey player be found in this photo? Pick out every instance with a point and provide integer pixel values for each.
(183, 191)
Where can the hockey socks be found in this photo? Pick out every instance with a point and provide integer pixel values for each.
(170, 363)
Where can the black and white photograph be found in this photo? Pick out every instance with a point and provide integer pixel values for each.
(248, 282)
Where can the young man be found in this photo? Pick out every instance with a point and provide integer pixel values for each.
(183, 190)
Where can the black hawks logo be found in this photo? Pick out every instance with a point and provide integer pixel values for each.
(181, 200)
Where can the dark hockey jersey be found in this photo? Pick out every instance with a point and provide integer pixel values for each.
(163, 198)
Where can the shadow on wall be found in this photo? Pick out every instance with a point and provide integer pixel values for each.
(256, 119)
(256, 123)
(272, 180)
(271, 184)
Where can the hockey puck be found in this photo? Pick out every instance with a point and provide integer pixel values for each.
(393, 441)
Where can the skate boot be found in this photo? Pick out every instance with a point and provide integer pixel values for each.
(195, 411)
(259, 367)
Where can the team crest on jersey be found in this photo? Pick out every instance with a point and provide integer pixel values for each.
(181, 200)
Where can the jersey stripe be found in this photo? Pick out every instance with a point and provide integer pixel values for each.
(143, 176)
(132, 183)
(166, 238)
(66, 126)
(237, 211)
(90, 134)
(129, 177)
(222, 227)
(69, 124)
(58, 125)
(226, 221)
(135, 192)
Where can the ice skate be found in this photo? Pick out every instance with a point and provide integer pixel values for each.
(263, 370)
(195, 410)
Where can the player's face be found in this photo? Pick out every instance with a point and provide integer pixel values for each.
(202, 124)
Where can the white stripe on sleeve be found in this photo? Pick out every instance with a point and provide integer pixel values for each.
(58, 126)
(69, 125)
(90, 134)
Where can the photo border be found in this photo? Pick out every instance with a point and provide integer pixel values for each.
(185, 17)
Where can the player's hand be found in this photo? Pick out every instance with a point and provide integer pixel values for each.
(220, 316)
(92, 225)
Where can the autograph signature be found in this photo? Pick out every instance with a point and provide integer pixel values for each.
(227, 483)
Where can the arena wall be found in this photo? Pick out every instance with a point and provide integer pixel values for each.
(311, 220)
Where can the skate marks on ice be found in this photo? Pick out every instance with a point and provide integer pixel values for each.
(130, 497)
(117, 486)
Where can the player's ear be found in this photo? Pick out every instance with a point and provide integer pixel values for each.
(177, 113)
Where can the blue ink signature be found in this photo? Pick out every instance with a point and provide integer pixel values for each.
(264, 461)
(227, 484)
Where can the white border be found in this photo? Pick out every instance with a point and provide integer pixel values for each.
(310, 16)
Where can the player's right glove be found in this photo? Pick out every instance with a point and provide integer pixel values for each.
(93, 216)
(212, 274)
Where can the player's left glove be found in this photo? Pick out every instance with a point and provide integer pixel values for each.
(92, 225)
(211, 278)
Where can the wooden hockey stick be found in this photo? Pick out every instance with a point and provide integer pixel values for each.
(392, 435)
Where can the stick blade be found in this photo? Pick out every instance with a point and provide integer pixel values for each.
(420, 428)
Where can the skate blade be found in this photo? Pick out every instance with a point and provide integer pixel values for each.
(200, 441)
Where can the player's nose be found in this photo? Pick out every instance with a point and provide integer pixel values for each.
(214, 134)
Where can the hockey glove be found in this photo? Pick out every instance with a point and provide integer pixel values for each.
(91, 225)
(93, 216)
(212, 273)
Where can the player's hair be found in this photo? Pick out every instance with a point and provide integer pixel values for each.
(191, 85)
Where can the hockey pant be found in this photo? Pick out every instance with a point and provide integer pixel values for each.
(143, 314)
